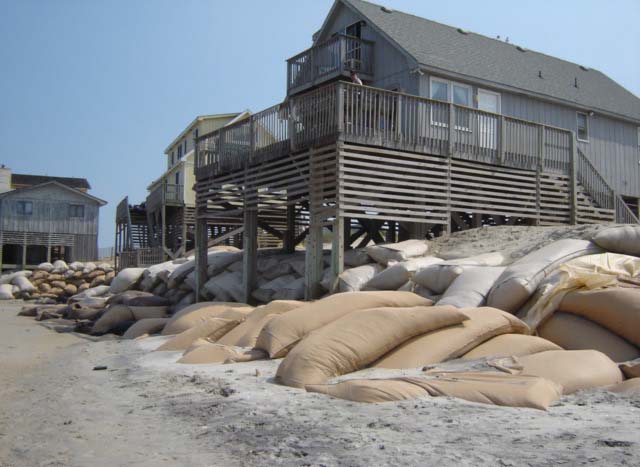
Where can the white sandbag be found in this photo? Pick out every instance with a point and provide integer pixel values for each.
(126, 280)
(6, 292)
(623, 239)
(23, 284)
(293, 290)
(151, 276)
(217, 260)
(400, 251)
(265, 292)
(59, 267)
(470, 289)
(520, 280)
(89, 267)
(281, 268)
(76, 266)
(8, 278)
(425, 292)
(106, 267)
(298, 265)
(396, 275)
(356, 257)
(99, 291)
(354, 279)
(45, 267)
(226, 287)
(438, 277)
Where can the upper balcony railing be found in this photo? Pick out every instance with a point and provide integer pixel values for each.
(337, 56)
(372, 116)
(165, 193)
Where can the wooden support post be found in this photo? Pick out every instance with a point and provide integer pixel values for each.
(313, 259)
(340, 104)
(249, 252)
(164, 232)
(573, 180)
(337, 251)
(502, 146)
(391, 232)
(288, 243)
(202, 248)
(24, 252)
(347, 233)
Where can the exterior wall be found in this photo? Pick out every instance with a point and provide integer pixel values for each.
(189, 182)
(50, 212)
(391, 67)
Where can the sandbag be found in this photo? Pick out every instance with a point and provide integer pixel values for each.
(291, 291)
(226, 287)
(370, 390)
(454, 341)
(352, 280)
(6, 292)
(285, 330)
(357, 339)
(99, 291)
(79, 311)
(123, 298)
(623, 239)
(217, 353)
(518, 282)
(488, 387)
(24, 284)
(266, 290)
(145, 300)
(400, 251)
(511, 344)
(631, 369)
(438, 277)
(211, 329)
(146, 312)
(152, 275)
(356, 257)
(572, 332)
(125, 280)
(246, 333)
(114, 316)
(572, 369)
(45, 267)
(217, 260)
(145, 326)
(630, 387)
(398, 274)
(470, 289)
(194, 314)
(615, 308)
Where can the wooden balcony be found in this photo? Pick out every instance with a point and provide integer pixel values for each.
(334, 58)
(165, 194)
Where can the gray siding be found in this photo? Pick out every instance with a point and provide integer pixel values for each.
(391, 67)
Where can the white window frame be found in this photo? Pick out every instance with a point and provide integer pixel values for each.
(449, 100)
(72, 207)
(24, 212)
(586, 120)
(486, 91)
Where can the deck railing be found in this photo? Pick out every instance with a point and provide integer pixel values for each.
(337, 56)
(367, 115)
(165, 193)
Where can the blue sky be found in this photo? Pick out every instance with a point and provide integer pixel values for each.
(98, 89)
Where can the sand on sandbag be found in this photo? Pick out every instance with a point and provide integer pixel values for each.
(193, 314)
(357, 339)
(211, 329)
(285, 330)
(511, 344)
(454, 341)
(113, 317)
(630, 387)
(144, 327)
(207, 352)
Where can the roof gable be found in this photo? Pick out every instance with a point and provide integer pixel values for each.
(440, 47)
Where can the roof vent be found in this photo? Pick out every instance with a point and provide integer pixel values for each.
(582, 67)
(520, 48)
(386, 10)
(463, 31)
(575, 82)
(540, 74)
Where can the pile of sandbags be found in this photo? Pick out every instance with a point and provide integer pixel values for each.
(56, 281)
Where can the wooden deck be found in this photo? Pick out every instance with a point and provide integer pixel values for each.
(388, 160)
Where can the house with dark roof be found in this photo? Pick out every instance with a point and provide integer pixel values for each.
(45, 218)
(398, 127)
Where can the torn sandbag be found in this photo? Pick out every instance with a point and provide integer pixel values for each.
(623, 239)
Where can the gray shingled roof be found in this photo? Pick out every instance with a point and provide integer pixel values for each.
(30, 180)
(436, 45)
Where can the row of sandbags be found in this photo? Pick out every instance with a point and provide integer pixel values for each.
(56, 281)
(347, 332)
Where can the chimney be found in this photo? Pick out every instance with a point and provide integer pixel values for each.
(5, 179)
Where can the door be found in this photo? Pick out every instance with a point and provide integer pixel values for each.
(488, 124)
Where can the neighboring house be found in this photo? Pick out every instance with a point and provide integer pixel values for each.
(46, 218)
(165, 222)
(450, 130)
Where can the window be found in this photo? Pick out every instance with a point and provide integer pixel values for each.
(25, 208)
(76, 210)
(180, 152)
(583, 126)
(177, 178)
(185, 147)
(439, 90)
(354, 30)
(448, 91)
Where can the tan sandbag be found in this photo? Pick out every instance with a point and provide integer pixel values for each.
(357, 339)
(218, 353)
(211, 329)
(145, 326)
(398, 274)
(400, 251)
(285, 330)
(511, 344)
(146, 312)
(615, 308)
(370, 390)
(630, 387)
(572, 369)
(246, 333)
(115, 315)
(70, 289)
(631, 369)
(488, 387)
(572, 332)
(520, 280)
(454, 341)
(623, 239)
(193, 314)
